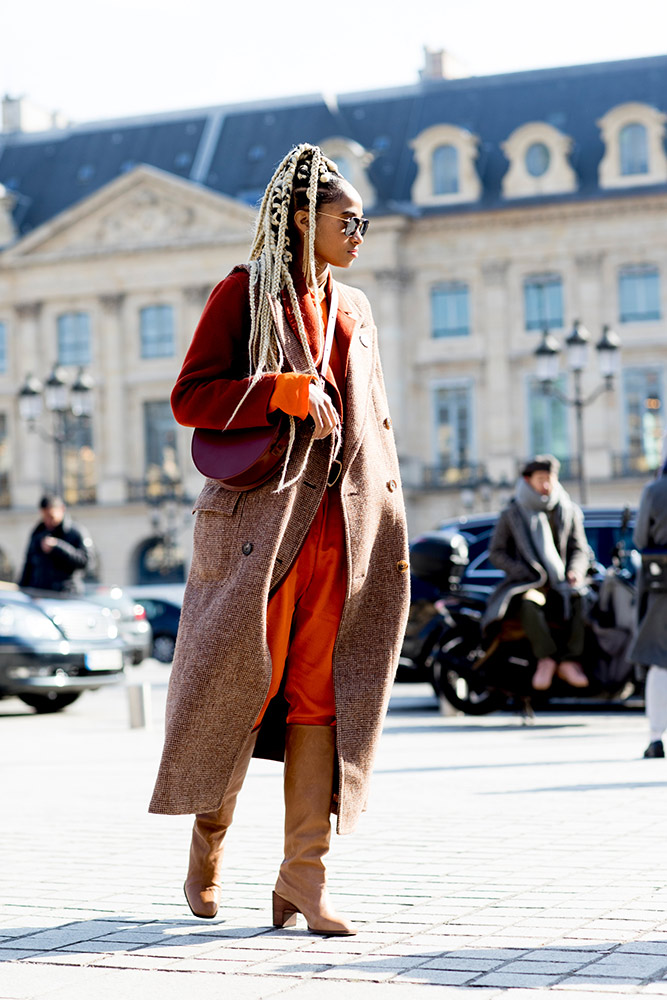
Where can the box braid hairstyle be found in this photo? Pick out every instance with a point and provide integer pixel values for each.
(304, 179)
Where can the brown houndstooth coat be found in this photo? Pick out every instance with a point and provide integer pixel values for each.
(244, 544)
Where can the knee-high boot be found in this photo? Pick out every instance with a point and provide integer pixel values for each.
(301, 885)
(202, 885)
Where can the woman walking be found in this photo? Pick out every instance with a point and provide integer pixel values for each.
(298, 591)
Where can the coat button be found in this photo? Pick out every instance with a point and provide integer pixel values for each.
(246, 548)
(365, 339)
(387, 423)
(392, 485)
(402, 565)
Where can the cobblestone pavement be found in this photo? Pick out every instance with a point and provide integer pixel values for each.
(496, 859)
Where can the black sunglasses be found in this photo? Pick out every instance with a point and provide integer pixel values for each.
(353, 224)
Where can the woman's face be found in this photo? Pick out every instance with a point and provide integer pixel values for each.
(332, 246)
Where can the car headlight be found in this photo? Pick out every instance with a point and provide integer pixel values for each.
(26, 622)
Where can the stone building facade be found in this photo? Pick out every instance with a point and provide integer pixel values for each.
(500, 207)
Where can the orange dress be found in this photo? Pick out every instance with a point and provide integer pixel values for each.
(304, 614)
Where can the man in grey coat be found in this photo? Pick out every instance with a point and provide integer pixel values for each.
(650, 645)
(540, 543)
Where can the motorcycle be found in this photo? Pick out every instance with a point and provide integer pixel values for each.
(478, 674)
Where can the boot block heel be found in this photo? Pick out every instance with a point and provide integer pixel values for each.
(284, 913)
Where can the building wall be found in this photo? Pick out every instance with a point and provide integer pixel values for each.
(491, 251)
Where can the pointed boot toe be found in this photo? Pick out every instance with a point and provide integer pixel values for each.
(203, 901)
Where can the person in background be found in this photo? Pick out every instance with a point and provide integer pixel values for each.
(540, 544)
(58, 552)
(650, 644)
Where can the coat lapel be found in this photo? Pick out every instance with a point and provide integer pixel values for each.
(359, 345)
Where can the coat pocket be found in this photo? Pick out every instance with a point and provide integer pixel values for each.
(215, 538)
(216, 498)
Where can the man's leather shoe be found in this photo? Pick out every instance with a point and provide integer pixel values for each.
(543, 676)
(572, 674)
(655, 749)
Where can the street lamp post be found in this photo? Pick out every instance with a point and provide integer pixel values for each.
(576, 345)
(60, 398)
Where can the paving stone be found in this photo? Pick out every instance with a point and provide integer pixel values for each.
(505, 910)
(508, 979)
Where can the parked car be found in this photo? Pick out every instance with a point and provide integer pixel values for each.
(603, 531)
(53, 647)
(130, 617)
(162, 602)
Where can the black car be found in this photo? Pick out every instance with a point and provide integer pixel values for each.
(163, 610)
(605, 528)
(53, 647)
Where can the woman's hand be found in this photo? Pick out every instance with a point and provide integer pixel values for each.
(322, 410)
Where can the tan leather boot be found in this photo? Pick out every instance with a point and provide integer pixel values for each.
(301, 885)
(202, 885)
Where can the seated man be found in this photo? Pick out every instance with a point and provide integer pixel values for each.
(540, 543)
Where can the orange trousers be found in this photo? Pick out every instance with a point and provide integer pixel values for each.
(303, 617)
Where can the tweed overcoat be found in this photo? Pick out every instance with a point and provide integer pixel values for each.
(244, 544)
(511, 550)
(650, 643)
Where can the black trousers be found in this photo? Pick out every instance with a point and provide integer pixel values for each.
(545, 625)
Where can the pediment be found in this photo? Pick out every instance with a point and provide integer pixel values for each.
(144, 209)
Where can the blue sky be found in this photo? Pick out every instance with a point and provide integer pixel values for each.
(101, 60)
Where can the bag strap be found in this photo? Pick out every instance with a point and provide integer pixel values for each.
(331, 326)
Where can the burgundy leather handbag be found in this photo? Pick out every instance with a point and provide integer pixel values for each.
(240, 460)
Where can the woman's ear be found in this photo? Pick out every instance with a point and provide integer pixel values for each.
(301, 217)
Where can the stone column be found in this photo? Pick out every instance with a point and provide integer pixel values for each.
(388, 307)
(589, 298)
(112, 426)
(194, 300)
(502, 394)
(596, 306)
(34, 460)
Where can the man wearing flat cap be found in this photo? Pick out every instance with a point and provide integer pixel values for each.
(541, 545)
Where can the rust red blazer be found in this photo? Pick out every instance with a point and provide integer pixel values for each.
(214, 376)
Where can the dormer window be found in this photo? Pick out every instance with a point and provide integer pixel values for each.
(445, 167)
(634, 151)
(446, 173)
(352, 160)
(538, 155)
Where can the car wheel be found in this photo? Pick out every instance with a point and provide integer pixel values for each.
(51, 702)
(455, 678)
(163, 648)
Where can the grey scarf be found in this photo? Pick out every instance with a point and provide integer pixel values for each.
(534, 507)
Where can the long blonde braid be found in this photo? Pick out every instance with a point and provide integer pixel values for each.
(304, 172)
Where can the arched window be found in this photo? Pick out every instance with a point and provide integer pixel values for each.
(446, 158)
(634, 154)
(445, 170)
(633, 149)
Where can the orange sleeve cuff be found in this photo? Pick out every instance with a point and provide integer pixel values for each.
(290, 394)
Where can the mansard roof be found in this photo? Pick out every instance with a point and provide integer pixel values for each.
(234, 149)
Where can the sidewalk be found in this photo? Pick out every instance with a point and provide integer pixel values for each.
(496, 860)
